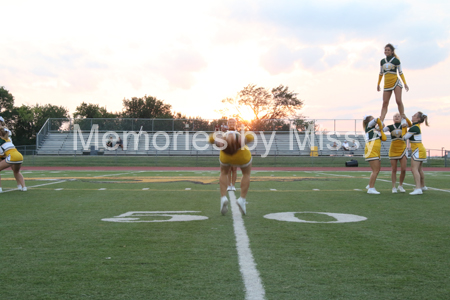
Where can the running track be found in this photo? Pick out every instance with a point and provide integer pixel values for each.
(215, 169)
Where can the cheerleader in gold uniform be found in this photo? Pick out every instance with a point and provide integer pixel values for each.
(389, 67)
(419, 153)
(13, 158)
(397, 152)
(372, 149)
(242, 158)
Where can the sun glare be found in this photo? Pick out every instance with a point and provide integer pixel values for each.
(246, 113)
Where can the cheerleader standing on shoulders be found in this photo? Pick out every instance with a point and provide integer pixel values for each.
(389, 67)
(419, 153)
(372, 149)
(397, 151)
(13, 158)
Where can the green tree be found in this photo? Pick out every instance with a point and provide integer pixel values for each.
(89, 110)
(146, 107)
(265, 105)
(27, 120)
(6, 100)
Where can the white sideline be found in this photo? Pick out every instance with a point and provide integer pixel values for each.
(431, 188)
(254, 289)
(54, 182)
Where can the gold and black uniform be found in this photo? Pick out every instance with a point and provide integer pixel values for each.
(389, 67)
(373, 143)
(414, 135)
(398, 146)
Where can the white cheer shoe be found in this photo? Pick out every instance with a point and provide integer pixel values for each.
(416, 192)
(241, 204)
(373, 191)
(223, 205)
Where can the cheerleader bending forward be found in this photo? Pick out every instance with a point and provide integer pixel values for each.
(13, 158)
(235, 153)
(397, 151)
(372, 149)
(419, 153)
(389, 67)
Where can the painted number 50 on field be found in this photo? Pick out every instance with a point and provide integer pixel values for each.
(179, 216)
(156, 216)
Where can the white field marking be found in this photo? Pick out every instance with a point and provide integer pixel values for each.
(290, 217)
(250, 275)
(316, 190)
(28, 187)
(431, 188)
(145, 189)
(102, 189)
(187, 189)
(359, 190)
(113, 174)
(336, 175)
(60, 189)
(273, 189)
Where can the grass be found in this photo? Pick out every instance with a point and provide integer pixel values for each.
(54, 244)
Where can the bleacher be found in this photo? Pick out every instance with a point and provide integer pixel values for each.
(182, 144)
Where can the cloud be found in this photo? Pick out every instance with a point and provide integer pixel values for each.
(421, 31)
(178, 66)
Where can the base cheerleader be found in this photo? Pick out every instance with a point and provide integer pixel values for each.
(397, 152)
(372, 149)
(419, 153)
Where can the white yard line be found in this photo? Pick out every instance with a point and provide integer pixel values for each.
(431, 188)
(254, 289)
(44, 184)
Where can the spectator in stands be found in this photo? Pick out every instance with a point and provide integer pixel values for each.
(217, 128)
(110, 142)
(335, 146)
(355, 145)
(13, 158)
(345, 146)
(120, 143)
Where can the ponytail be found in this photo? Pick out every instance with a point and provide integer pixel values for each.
(423, 118)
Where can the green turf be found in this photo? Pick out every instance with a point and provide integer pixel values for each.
(54, 244)
(203, 161)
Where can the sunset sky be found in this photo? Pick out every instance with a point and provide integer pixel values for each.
(193, 54)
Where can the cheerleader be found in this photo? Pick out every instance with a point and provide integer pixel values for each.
(13, 158)
(232, 176)
(389, 67)
(241, 158)
(372, 149)
(397, 151)
(419, 154)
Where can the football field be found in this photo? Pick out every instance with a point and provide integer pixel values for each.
(160, 235)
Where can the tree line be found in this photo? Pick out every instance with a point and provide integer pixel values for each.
(25, 121)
